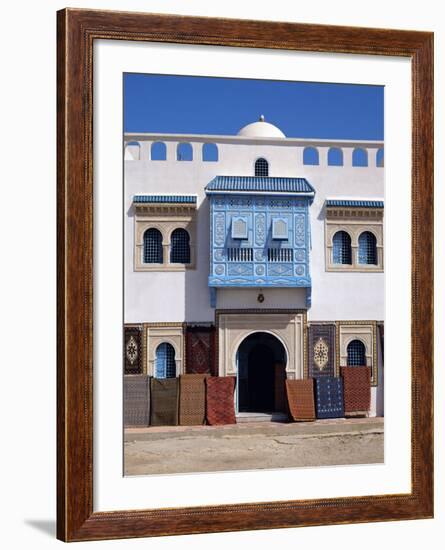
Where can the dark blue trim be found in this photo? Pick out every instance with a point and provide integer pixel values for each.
(259, 184)
(172, 199)
(355, 204)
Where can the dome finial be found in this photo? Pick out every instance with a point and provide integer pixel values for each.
(261, 118)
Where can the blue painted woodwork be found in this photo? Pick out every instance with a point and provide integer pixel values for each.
(259, 259)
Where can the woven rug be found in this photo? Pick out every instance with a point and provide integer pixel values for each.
(133, 350)
(200, 350)
(300, 399)
(136, 400)
(220, 404)
(357, 388)
(321, 350)
(164, 401)
(329, 397)
(192, 399)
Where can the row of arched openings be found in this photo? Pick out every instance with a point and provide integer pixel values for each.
(184, 151)
(335, 157)
(342, 249)
(153, 251)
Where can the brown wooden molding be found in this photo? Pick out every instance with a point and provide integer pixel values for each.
(76, 32)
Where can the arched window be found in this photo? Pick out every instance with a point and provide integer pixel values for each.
(380, 158)
(341, 253)
(158, 151)
(184, 151)
(261, 167)
(356, 353)
(153, 247)
(132, 150)
(209, 152)
(165, 365)
(310, 156)
(359, 157)
(180, 247)
(335, 157)
(367, 248)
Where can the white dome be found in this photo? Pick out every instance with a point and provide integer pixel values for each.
(261, 129)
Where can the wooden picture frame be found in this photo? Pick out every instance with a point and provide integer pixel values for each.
(77, 31)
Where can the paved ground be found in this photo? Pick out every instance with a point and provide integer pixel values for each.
(252, 445)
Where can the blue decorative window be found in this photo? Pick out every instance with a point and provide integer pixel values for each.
(184, 151)
(356, 353)
(153, 253)
(262, 168)
(335, 157)
(380, 158)
(359, 157)
(209, 152)
(280, 229)
(341, 252)
(239, 227)
(165, 364)
(310, 156)
(180, 247)
(158, 151)
(367, 248)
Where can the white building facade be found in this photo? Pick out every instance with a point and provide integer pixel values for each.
(253, 248)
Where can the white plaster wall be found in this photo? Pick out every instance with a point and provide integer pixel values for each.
(184, 296)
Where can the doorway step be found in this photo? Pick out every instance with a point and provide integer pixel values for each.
(261, 417)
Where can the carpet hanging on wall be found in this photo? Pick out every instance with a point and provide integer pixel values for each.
(329, 397)
(300, 399)
(192, 399)
(164, 401)
(200, 350)
(136, 400)
(357, 389)
(321, 350)
(220, 403)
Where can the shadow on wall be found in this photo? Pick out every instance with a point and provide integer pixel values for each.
(196, 290)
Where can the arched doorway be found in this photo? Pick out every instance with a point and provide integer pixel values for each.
(261, 361)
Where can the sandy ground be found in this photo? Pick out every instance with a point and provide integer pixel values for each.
(252, 445)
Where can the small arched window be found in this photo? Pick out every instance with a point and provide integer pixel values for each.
(158, 151)
(132, 150)
(380, 158)
(359, 157)
(184, 151)
(165, 365)
(261, 168)
(153, 253)
(180, 247)
(335, 157)
(209, 152)
(341, 251)
(356, 354)
(310, 156)
(367, 248)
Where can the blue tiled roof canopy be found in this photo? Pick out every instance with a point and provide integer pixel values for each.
(171, 199)
(354, 204)
(259, 184)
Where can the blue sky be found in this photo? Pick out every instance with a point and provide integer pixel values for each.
(205, 105)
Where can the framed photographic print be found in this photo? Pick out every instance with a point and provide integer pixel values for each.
(245, 223)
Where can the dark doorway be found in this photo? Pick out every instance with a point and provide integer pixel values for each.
(261, 372)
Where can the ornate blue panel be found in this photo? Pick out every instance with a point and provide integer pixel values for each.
(259, 259)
